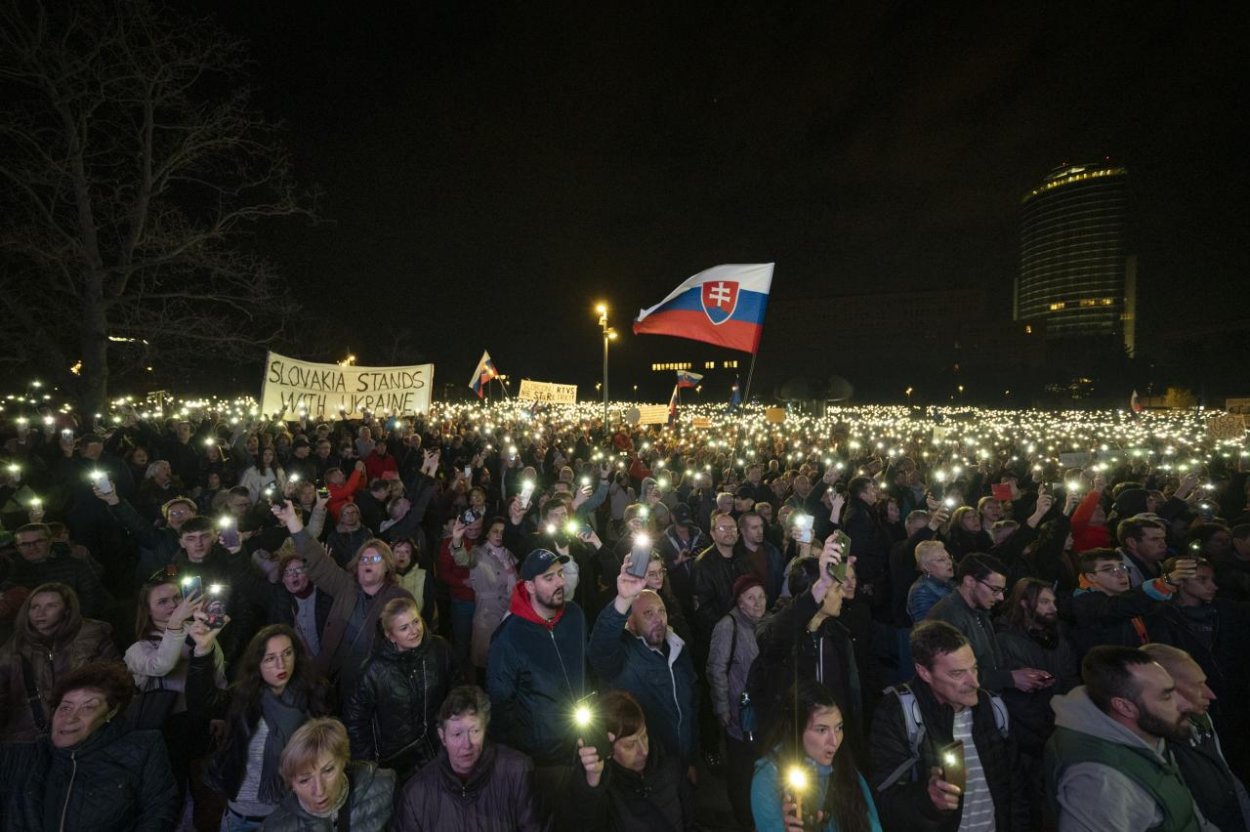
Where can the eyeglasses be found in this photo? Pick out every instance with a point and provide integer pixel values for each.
(1113, 569)
(30, 544)
(293, 572)
(370, 558)
(994, 590)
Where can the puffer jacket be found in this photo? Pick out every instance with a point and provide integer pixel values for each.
(115, 780)
(499, 795)
(392, 716)
(536, 670)
(77, 642)
(370, 805)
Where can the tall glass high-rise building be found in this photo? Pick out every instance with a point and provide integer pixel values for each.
(1077, 277)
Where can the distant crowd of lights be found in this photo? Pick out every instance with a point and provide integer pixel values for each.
(945, 440)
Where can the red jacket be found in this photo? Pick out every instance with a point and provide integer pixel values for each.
(340, 495)
(1085, 536)
(376, 466)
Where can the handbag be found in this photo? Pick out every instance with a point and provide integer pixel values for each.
(149, 710)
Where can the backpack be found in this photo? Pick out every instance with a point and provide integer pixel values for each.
(913, 720)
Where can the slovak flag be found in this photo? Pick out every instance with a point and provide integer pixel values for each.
(685, 378)
(723, 305)
(483, 374)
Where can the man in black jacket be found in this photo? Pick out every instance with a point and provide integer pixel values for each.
(715, 571)
(980, 582)
(943, 703)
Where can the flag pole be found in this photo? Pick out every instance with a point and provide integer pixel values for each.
(746, 396)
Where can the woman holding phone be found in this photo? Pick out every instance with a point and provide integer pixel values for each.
(804, 783)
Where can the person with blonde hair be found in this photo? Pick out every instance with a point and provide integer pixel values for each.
(392, 715)
(328, 790)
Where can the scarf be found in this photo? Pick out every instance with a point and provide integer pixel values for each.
(284, 714)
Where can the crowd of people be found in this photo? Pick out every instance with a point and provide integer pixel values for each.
(527, 618)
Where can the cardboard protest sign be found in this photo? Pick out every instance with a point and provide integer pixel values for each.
(546, 391)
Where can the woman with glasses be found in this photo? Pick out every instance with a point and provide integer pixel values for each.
(92, 771)
(360, 590)
(297, 602)
(276, 690)
(392, 716)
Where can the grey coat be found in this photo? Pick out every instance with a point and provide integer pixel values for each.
(726, 674)
(492, 591)
(370, 805)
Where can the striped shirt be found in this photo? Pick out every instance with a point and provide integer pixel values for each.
(978, 814)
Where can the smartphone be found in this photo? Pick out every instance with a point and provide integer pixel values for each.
(215, 606)
(590, 727)
(229, 532)
(803, 528)
(468, 472)
(102, 482)
(844, 540)
(639, 556)
(323, 493)
(837, 571)
(527, 491)
(468, 516)
(952, 759)
(192, 585)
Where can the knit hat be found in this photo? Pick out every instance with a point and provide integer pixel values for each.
(744, 583)
(537, 562)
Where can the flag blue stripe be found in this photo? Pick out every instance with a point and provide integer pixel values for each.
(750, 305)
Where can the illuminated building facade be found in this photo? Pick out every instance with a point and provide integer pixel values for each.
(1076, 274)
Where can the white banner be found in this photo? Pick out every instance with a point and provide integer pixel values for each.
(330, 390)
(546, 391)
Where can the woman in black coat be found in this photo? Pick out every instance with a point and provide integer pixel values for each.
(392, 718)
(92, 771)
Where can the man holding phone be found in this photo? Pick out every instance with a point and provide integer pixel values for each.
(632, 648)
(920, 728)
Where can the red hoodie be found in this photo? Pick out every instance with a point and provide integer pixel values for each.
(523, 607)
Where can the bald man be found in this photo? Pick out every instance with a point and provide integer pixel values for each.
(632, 648)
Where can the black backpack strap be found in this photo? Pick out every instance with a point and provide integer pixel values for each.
(32, 697)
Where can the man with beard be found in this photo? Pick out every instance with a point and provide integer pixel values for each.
(536, 671)
(633, 649)
(1107, 762)
(1031, 636)
(1216, 789)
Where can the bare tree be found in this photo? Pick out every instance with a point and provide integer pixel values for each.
(132, 167)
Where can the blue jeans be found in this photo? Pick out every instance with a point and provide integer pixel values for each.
(230, 822)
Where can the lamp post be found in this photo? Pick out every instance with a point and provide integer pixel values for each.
(608, 335)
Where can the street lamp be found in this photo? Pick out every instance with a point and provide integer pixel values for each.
(608, 335)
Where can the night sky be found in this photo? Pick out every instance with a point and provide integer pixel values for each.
(491, 170)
